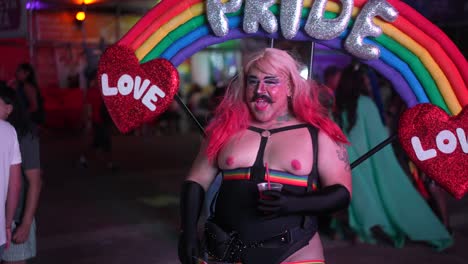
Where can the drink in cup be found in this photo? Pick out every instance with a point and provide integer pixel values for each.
(263, 186)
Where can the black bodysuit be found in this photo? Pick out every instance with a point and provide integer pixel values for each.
(236, 207)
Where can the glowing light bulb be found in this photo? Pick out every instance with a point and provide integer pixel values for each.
(80, 16)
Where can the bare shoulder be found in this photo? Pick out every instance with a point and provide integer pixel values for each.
(203, 170)
(333, 161)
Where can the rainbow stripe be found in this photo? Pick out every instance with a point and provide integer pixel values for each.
(287, 178)
(422, 63)
(236, 174)
(201, 261)
(306, 262)
(275, 176)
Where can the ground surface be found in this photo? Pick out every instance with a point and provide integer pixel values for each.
(130, 215)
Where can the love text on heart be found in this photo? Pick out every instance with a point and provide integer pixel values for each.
(126, 84)
(446, 142)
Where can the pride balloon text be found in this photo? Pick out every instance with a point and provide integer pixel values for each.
(257, 13)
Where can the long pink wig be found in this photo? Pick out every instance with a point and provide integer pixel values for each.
(232, 115)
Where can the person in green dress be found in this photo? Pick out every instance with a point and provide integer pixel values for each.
(384, 196)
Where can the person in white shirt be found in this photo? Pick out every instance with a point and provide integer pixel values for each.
(10, 175)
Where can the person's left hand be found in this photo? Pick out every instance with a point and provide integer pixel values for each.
(324, 201)
(277, 203)
(8, 237)
(21, 233)
(188, 248)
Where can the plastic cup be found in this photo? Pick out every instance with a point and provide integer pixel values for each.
(263, 186)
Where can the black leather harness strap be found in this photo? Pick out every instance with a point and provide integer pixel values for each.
(313, 176)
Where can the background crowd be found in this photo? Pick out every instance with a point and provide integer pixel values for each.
(361, 101)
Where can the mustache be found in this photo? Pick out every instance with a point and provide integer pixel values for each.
(263, 97)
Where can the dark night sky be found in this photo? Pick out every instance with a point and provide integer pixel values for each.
(449, 15)
(441, 11)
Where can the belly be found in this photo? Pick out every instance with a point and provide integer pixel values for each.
(313, 251)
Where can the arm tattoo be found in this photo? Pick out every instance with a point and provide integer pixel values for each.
(343, 156)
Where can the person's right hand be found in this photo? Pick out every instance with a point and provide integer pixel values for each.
(21, 233)
(8, 237)
(188, 248)
(191, 203)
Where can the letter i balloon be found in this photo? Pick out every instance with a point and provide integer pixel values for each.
(139, 78)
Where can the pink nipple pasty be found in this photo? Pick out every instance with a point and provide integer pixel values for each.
(229, 161)
(296, 165)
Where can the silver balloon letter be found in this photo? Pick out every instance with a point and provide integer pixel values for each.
(320, 28)
(216, 14)
(290, 17)
(364, 26)
(256, 12)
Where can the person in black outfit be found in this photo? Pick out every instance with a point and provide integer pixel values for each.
(28, 92)
(270, 127)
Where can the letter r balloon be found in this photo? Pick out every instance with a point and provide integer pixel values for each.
(258, 13)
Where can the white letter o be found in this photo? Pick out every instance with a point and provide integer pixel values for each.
(125, 84)
(449, 147)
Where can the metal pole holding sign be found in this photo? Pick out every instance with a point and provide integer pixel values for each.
(189, 113)
(311, 61)
(373, 150)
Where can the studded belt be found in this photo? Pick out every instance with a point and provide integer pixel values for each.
(234, 246)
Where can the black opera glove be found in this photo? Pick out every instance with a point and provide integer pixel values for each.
(324, 201)
(191, 202)
(188, 248)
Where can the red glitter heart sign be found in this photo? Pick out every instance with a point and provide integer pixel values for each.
(437, 144)
(135, 94)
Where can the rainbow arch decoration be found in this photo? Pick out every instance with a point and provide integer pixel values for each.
(421, 62)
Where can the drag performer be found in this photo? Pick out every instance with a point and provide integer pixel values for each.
(269, 127)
